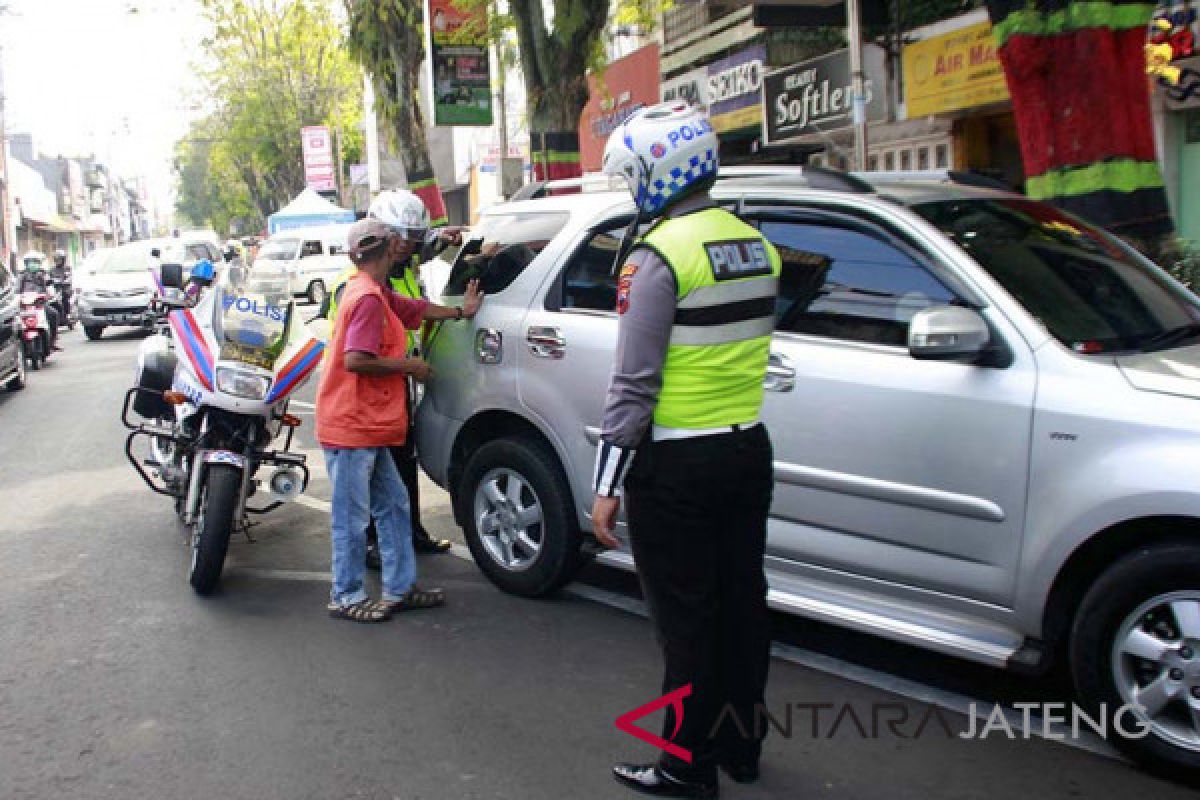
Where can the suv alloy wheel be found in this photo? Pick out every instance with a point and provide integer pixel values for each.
(518, 516)
(1136, 641)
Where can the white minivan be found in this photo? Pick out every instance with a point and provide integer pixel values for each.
(309, 258)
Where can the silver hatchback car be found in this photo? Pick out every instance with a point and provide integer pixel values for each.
(985, 413)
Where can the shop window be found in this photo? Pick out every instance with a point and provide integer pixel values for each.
(923, 158)
(872, 163)
(906, 160)
(942, 156)
(847, 283)
(889, 160)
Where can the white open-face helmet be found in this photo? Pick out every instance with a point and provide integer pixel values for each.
(403, 212)
(662, 152)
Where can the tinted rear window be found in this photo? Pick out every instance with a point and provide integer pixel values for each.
(500, 248)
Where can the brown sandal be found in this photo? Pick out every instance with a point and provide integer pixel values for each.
(365, 611)
(415, 598)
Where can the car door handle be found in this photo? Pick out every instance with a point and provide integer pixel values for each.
(781, 377)
(546, 342)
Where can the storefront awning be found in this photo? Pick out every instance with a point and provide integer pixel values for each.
(55, 224)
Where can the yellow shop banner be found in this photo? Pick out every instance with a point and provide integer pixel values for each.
(952, 72)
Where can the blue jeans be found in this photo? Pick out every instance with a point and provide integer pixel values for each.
(365, 485)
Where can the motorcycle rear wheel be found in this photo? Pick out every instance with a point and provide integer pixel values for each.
(33, 348)
(214, 525)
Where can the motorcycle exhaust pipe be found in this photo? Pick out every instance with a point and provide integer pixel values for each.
(285, 484)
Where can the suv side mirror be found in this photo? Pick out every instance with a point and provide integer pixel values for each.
(172, 275)
(948, 333)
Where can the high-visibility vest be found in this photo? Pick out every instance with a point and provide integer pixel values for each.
(727, 279)
(408, 286)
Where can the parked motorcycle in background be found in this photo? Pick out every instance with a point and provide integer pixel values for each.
(214, 394)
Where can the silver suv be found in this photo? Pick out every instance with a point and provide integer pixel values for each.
(985, 413)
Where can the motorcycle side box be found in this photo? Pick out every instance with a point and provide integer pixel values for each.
(156, 370)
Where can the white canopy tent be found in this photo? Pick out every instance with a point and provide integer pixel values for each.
(308, 209)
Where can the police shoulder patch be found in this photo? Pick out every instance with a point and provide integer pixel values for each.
(738, 258)
(624, 282)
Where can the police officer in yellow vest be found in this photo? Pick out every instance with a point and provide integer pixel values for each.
(415, 242)
(682, 442)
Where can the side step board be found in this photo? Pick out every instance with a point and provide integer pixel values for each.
(951, 634)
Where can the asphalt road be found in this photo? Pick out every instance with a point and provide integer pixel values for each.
(116, 681)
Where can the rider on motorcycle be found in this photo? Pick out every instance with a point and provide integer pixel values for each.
(60, 274)
(35, 279)
(201, 278)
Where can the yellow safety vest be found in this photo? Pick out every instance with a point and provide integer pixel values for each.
(727, 279)
(406, 286)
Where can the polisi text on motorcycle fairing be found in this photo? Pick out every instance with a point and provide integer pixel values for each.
(248, 305)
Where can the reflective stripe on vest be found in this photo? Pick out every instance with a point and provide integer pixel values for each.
(727, 278)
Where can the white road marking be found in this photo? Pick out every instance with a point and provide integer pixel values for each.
(893, 684)
(283, 574)
(314, 503)
(303, 404)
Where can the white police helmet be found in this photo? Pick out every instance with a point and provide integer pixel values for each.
(662, 152)
(403, 212)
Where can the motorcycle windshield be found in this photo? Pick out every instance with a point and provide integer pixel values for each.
(253, 328)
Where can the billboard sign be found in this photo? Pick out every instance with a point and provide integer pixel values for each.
(317, 148)
(815, 96)
(462, 81)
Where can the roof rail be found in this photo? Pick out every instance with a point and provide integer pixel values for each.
(960, 177)
(809, 176)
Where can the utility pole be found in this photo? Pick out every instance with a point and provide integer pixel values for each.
(859, 107)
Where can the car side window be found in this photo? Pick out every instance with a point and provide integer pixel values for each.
(311, 248)
(501, 246)
(590, 279)
(195, 252)
(845, 282)
(5, 279)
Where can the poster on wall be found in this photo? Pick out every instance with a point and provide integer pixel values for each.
(462, 81)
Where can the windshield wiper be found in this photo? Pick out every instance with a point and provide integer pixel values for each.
(1171, 337)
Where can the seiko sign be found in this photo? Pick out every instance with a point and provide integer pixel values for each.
(817, 95)
(735, 81)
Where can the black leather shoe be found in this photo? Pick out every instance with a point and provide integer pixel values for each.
(424, 543)
(650, 779)
(740, 772)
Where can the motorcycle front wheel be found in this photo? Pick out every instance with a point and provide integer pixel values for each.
(214, 524)
(33, 351)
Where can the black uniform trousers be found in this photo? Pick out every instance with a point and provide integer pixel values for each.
(697, 511)
(405, 458)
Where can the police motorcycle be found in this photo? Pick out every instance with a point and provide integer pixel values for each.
(213, 397)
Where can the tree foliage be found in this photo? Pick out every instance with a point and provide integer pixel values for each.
(270, 67)
(387, 37)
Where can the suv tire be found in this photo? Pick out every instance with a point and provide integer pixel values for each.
(1132, 605)
(542, 548)
(93, 332)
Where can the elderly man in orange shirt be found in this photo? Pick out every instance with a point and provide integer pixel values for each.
(361, 412)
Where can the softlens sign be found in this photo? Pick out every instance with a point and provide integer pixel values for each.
(735, 89)
(815, 96)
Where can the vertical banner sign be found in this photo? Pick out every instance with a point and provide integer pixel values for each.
(735, 90)
(317, 147)
(462, 81)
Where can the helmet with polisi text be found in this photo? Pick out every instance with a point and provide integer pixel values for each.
(664, 152)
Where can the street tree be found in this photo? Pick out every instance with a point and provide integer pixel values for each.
(387, 38)
(270, 68)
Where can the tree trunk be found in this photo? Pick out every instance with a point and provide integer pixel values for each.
(554, 64)
(392, 53)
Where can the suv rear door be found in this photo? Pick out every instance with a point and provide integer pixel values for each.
(911, 472)
(8, 314)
